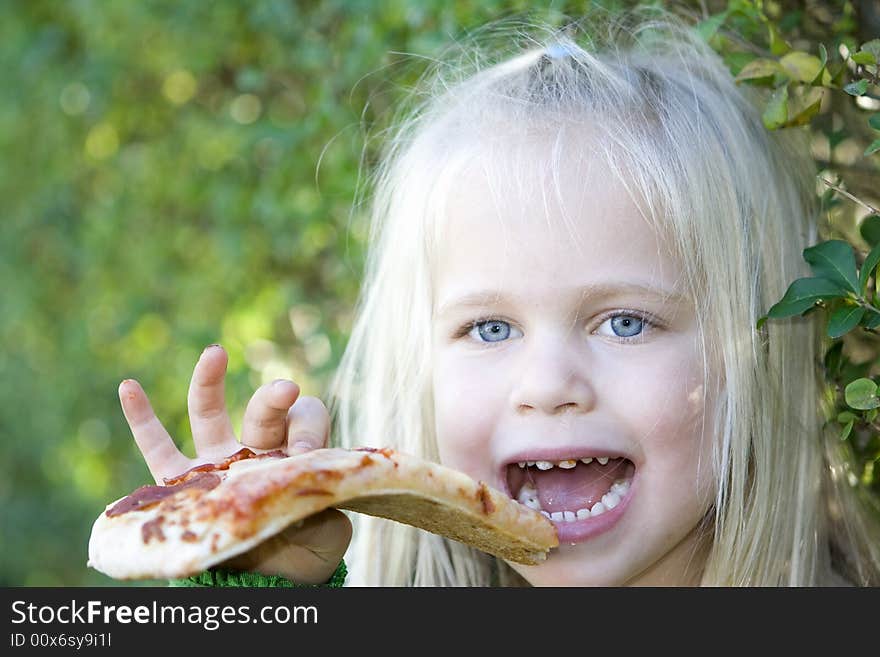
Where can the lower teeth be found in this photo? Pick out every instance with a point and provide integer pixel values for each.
(528, 496)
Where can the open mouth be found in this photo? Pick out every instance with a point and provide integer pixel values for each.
(572, 489)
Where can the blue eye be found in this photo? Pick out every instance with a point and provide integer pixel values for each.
(626, 326)
(493, 330)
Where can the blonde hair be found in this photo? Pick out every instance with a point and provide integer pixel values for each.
(734, 202)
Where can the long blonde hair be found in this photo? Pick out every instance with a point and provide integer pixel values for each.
(735, 203)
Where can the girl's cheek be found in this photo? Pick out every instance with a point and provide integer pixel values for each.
(466, 405)
(671, 409)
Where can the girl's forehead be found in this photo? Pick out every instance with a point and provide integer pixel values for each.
(535, 185)
(565, 170)
(568, 227)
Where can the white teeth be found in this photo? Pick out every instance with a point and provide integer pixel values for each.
(621, 486)
(610, 500)
(528, 496)
(566, 464)
(528, 493)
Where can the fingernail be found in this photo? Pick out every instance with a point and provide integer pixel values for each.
(210, 346)
(303, 445)
(127, 389)
(278, 384)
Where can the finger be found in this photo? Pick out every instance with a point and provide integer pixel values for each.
(308, 425)
(265, 418)
(158, 449)
(307, 552)
(212, 431)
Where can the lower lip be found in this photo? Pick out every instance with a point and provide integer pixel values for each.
(583, 530)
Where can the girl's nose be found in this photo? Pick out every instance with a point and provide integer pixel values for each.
(553, 379)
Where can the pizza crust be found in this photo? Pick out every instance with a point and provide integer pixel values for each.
(195, 529)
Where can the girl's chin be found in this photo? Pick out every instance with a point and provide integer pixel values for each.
(563, 574)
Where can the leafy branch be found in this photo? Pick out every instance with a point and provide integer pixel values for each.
(755, 40)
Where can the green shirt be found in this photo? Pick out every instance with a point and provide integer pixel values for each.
(225, 577)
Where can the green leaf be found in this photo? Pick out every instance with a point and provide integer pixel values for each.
(856, 88)
(864, 58)
(871, 415)
(803, 294)
(873, 147)
(758, 69)
(804, 67)
(747, 9)
(776, 113)
(843, 320)
(761, 321)
(737, 61)
(803, 116)
(822, 73)
(778, 45)
(707, 28)
(847, 429)
(872, 320)
(874, 121)
(868, 267)
(872, 47)
(870, 229)
(839, 74)
(835, 261)
(846, 416)
(861, 394)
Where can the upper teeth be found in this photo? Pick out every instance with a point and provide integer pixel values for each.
(566, 464)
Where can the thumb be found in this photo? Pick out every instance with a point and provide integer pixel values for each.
(308, 425)
(306, 552)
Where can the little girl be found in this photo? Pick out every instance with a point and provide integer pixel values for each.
(570, 250)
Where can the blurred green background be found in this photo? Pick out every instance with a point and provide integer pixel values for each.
(176, 174)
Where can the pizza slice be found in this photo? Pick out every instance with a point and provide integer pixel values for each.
(214, 512)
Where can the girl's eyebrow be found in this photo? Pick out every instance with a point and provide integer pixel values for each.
(593, 292)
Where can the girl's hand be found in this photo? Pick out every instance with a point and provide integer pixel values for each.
(276, 418)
